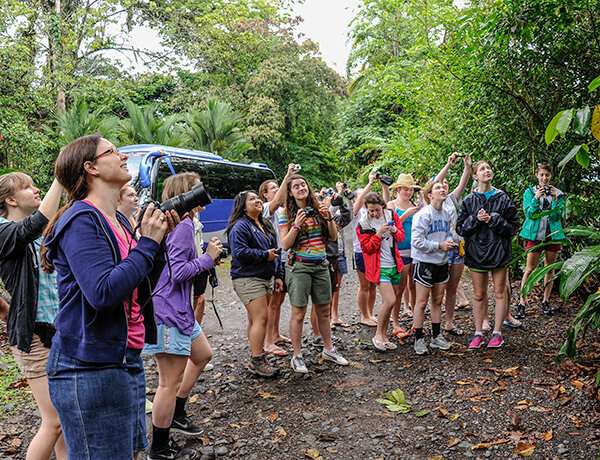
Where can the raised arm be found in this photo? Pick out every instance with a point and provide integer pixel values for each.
(50, 203)
(464, 179)
(442, 174)
(360, 197)
(279, 197)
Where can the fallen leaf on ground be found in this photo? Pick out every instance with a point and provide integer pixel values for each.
(375, 361)
(524, 450)
(444, 412)
(495, 390)
(578, 384)
(548, 435)
(485, 445)
(274, 417)
(266, 395)
(436, 457)
(357, 364)
(422, 413)
(313, 453)
(193, 399)
(453, 417)
(463, 382)
(453, 442)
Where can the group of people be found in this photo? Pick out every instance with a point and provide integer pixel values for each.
(94, 285)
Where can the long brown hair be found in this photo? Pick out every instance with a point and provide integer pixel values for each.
(71, 174)
(178, 184)
(292, 209)
(264, 188)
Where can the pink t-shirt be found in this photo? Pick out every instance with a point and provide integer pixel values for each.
(136, 332)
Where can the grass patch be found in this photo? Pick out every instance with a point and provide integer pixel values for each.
(13, 387)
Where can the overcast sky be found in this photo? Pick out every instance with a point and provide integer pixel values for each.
(326, 22)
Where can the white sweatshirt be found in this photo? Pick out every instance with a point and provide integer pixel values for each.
(431, 227)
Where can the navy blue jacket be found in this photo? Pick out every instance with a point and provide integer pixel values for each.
(250, 251)
(93, 284)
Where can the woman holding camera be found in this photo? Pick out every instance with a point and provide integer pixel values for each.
(34, 302)
(537, 230)
(273, 196)
(306, 226)
(182, 349)
(487, 219)
(254, 262)
(105, 278)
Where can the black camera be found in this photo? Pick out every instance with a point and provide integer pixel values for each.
(309, 211)
(197, 196)
(547, 189)
(224, 253)
(349, 194)
(384, 178)
(329, 191)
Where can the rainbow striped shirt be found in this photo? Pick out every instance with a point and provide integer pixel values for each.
(312, 244)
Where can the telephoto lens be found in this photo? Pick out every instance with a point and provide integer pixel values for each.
(197, 196)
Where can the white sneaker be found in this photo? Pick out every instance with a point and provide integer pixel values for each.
(208, 367)
(440, 342)
(298, 364)
(335, 357)
(421, 346)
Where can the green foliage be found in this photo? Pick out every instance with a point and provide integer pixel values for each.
(216, 130)
(146, 126)
(395, 402)
(11, 388)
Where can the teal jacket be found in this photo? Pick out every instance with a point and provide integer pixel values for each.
(531, 206)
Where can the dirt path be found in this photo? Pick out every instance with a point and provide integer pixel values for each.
(480, 403)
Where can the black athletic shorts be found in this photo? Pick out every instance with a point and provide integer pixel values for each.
(429, 274)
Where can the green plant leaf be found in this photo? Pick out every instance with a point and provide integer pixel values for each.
(574, 151)
(583, 158)
(537, 275)
(564, 122)
(596, 123)
(576, 269)
(594, 84)
(422, 413)
(581, 120)
(399, 396)
(580, 230)
(551, 131)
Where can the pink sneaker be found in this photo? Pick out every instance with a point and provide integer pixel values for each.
(496, 341)
(476, 342)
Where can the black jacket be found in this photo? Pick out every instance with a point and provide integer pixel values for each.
(20, 273)
(342, 217)
(488, 245)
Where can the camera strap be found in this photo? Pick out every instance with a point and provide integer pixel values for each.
(212, 301)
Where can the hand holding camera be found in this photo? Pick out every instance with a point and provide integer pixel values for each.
(447, 245)
(384, 179)
(301, 216)
(215, 249)
(273, 254)
(154, 224)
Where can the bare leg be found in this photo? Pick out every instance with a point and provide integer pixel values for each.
(499, 280)
(412, 290)
(273, 315)
(437, 295)
(388, 299)
(314, 322)
(49, 436)
(257, 324)
(201, 354)
(335, 300)
(550, 259)
(399, 291)
(533, 258)
(480, 283)
(365, 298)
(199, 305)
(371, 301)
(451, 288)
(419, 307)
(296, 321)
(170, 375)
(324, 321)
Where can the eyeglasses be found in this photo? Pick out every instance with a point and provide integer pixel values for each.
(110, 151)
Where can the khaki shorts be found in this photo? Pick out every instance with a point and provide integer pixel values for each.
(252, 288)
(308, 279)
(32, 364)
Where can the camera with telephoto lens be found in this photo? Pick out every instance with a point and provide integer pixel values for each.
(349, 194)
(384, 178)
(309, 211)
(185, 202)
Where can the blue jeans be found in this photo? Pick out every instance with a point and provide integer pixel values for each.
(101, 406)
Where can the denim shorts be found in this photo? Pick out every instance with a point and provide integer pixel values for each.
(101, 406)
(342, 265)
(454, 257)
(170, 340)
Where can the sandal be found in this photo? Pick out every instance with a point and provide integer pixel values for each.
(340, 324)
(460, 306)
(369, 323)
(513, 323)
(277, 351)
(400, 334)
(379, 345)
(407, 314)
(487, 328)
(283, 339)
(390, 345)
(455, 331)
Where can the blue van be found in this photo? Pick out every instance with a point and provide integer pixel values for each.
(151, 164)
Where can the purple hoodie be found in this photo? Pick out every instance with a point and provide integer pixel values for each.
(172, 296)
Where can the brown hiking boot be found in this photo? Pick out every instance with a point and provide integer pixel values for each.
(260, 366)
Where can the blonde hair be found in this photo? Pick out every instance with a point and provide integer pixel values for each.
(9, 184)
(124, 189)
(428, 188)
(178, 184)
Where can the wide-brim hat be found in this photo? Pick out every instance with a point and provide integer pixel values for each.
(405, 180)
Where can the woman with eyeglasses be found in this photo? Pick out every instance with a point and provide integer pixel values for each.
(105, 278)
(542, 229)
(34, 297)
(255, 263)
